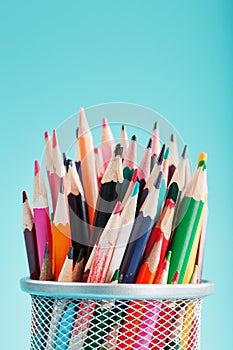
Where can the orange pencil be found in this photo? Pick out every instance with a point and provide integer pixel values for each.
(60, 233)
(89, 175)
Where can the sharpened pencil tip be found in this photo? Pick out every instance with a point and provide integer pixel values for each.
(173, 192)
(202, 156)
(134, 138)
(46, 251)
(25, 197)
(158, 180)
(118, 150)
(175, 278)
(168, 256)
(46, 135)
(104, 122)
(122, 127)
(184, 153)
(161, 155)
(70, 253)
(76, 133)
(135, 175)
(116, 275)
(96, 151)
(61, 186)
(36, 167)
(155, 125)
(149, 143)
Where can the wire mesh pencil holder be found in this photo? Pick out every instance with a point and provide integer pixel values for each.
(106, 316)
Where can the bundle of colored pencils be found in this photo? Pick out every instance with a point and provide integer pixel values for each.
(115, 215)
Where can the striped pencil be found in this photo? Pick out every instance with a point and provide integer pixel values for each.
(30, 239)
(41, 213)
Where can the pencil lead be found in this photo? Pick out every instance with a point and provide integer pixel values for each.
(173, 192)
(80, 255)
(122, 127)
(134, 138)
(70, 253)
(135, 189)
(202, 156)
(175, 278)
(54, 141)
(168, 256)
(46, 135)
(116, 275)
(149, 143)
(76, 133)
(161, 155)
(173, 138)
(104, 122)
(166, 154)
(184, 153)
(61, 186)
(25, 197)
(135, 175)
(117, 208)
(36, 167)
(155, 125)
(158, 180)
(118, 150)
(96, 151)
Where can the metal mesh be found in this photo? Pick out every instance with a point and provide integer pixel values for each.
(115, 324)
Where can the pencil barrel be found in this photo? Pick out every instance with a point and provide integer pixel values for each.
(114, 321)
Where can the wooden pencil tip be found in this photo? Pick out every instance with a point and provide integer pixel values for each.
(134, 138)
(135, 189)
(25, 197)
(184, 153)
(155, 125)
(36, 167)
(46, 135)
(118, 150)
(173, 138)
(70, 253)
(161, 155)
(104, 122)
(149, 145)
(166, 154)
(54, 142)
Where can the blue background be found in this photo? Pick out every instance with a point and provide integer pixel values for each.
(172, 56)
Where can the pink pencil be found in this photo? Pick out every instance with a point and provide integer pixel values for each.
(57, 172)
(41, 214)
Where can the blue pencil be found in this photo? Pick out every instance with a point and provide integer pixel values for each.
(66, 327)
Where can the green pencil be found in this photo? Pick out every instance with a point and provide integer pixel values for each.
(188, 218)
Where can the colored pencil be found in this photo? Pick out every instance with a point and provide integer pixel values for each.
(105, 247)
(61, 233)
(155, 139)
(140, 234)
(144, 168)
(152, 178)
(89, 175)
(174, 158)
(30, 239)
(109, 192)
(124, 140)
(77, 156)
(46, 273)
(66, 327)
(77, 211)
(78, 267)
(201, 247)
(153, 161)
(130, 159)
(66, 274)
(41, 213)
(127, 218)
(184, 235)
(107, 143)
(57, 171)
(164, 225)
(130, 188)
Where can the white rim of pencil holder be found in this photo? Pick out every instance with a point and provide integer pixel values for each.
(80, 290)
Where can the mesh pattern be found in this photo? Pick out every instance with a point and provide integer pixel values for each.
(168, 324)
